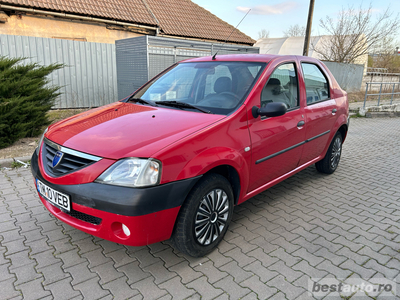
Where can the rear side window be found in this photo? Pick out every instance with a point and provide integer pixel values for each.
(317, 87)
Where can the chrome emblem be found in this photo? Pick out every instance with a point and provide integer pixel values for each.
(57, 158)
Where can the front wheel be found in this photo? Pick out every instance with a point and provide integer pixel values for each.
(330, 162)
(204, 217)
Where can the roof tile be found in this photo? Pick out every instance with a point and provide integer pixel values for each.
(176, 17)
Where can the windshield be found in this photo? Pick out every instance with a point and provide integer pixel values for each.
(218, 87)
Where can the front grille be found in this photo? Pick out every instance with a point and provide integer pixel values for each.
(70, 161)
(85, 217)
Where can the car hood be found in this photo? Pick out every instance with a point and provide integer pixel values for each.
(127, 130)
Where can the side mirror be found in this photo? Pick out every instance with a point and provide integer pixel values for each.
(272, 109)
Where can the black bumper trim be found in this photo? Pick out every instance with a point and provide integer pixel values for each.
(123, 200)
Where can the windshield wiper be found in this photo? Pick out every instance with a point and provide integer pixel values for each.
(140, 100)
(182, 105)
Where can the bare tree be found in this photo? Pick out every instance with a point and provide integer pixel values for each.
(384, 55)
(263, 33)
(354, 33)
(295, 30)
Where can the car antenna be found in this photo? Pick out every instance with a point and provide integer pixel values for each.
(213, 58)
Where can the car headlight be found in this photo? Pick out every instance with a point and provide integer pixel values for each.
(41, 141)
(132, 172)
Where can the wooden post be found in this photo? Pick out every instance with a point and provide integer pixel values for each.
(308, 30)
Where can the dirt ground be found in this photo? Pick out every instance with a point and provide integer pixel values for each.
(22, 147)
(26, 146)
(356, 96)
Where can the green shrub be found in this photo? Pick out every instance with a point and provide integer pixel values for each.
(25, 97)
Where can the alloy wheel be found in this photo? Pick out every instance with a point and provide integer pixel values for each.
(211, 216)
(336, 151)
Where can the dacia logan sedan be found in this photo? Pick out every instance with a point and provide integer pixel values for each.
(173, 159)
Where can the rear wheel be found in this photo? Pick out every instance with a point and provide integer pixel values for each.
(204, 217)
(331, 160)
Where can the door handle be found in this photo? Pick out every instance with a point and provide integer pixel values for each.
(334, 111)
(301, 123)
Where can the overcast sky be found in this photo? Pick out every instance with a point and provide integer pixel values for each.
(277, 15)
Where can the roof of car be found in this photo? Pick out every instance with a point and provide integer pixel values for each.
(243, 57)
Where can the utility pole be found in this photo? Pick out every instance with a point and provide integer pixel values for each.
(308, 30)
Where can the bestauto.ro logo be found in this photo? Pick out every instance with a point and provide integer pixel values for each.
(353, 287)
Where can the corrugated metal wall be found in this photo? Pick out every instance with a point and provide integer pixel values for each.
(348, 76)
(89, 78)
(141, 58)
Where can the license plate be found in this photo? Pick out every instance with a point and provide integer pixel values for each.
(55, 197)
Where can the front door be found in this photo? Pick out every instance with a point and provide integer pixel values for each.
(277, 141)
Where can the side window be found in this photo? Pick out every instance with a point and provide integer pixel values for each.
(282, 87)
(317, 87)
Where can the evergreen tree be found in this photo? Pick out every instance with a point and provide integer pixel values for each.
(25, 98)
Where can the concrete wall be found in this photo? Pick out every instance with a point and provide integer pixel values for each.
(379, 78)
(50, 27)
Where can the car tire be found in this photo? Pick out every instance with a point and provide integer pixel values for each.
(204, 217)
(330, 162)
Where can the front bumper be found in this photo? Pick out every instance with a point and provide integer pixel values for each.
(101, 209)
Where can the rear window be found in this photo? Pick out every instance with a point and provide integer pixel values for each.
(317, 87)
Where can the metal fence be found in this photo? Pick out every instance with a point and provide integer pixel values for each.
(385, 89)
(89, 78)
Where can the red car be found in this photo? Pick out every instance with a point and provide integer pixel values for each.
(174, 158)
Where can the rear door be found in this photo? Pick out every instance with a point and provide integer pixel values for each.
(320, 109)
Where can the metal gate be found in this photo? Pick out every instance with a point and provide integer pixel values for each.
(141, 58)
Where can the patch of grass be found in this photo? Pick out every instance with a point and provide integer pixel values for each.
(16, 164)
(357, 115)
